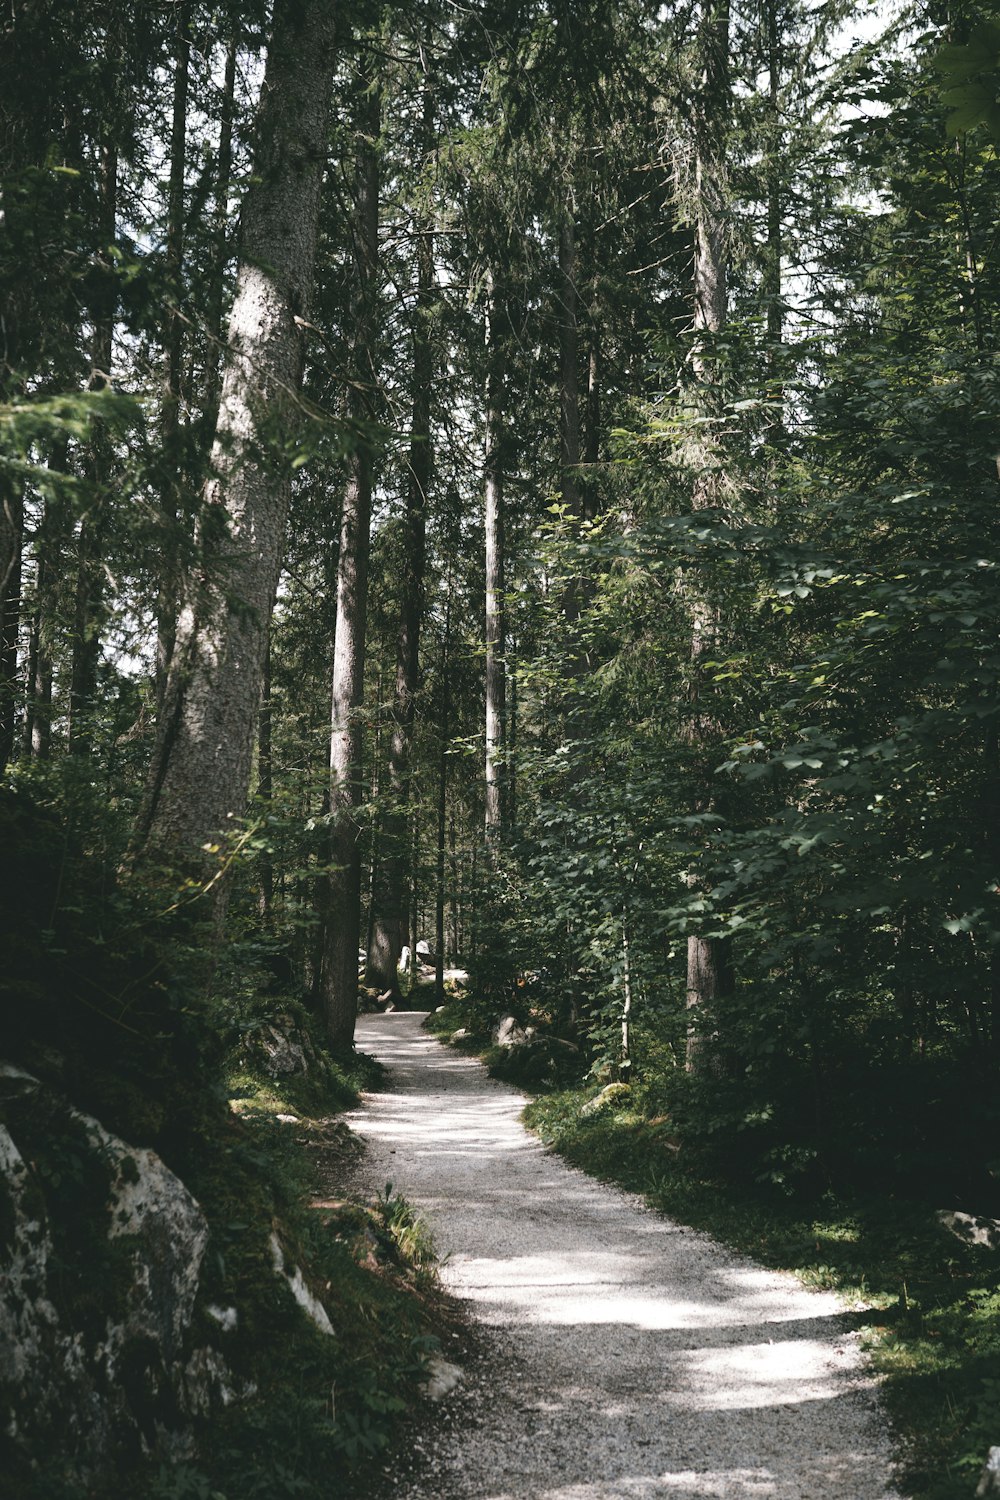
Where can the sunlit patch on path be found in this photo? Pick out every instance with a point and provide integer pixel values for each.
(645, 1360)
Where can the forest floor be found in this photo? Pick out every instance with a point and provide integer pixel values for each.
(619, 1354)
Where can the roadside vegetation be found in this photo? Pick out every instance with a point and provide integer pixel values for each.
(927, 1304)
(519, 479)
(324, 1406)
(237, 1097)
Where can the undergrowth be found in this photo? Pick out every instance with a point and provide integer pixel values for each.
(105, 999)
(321, 1407)
(927, 1304)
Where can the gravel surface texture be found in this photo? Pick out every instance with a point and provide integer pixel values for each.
(620, 1355)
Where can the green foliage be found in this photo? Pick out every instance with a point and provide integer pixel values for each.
(35, 423)
(925, 1303)
(322, 1406)
(970, 76)
(814, 789)
(98, 995)
(104, 999)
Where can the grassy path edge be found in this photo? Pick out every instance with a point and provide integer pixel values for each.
(929, 1305)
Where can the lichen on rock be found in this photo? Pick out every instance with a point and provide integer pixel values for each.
(100, 1266)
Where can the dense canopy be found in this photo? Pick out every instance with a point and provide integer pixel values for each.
(598, 406)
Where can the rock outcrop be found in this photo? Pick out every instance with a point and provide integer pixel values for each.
(101, 1250)
(509, 1032)
(612, 1094)
(973, 1229)
(282, 1048)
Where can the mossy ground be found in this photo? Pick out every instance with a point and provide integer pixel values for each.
(929, 1305)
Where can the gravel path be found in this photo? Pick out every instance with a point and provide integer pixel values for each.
(628, 1357)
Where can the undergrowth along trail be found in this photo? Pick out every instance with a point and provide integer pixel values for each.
(633, 1356)
(927, 1306)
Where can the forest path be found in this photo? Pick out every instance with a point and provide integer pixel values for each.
(629, 1357)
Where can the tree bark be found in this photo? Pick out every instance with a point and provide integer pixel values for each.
(772, 277)
(576, 495)
(495, 623)
(89, 603)
(201, 763)
(170, 420)
(343, 925)
(391, 905)
(990, 812)
(708, 971)
(265, 785)
(512, 739)
(50, 542)
(11, 538)
(223, 183)
(569, 357)
(593, 446)
(455, 886)
(625, 1061)
(444, 736)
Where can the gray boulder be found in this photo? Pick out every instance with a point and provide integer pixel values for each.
(510, 1032)
(971, 1228)
(100, 1265)
(610, 1095)
(282, 1048)
(440, 1378)
(989, 1479)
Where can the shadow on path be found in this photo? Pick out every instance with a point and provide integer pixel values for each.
(635, 1358)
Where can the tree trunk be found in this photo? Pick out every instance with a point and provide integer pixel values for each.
(391, 905)
(495, 627)
(576, 492)
(223, 183)
(710, 250)
(201, 763)
(170, 420)
(343, 926)
(89, 603)
(456, 894)
(625, 1060)
(265, 785)
(772, 277)
(708, 974)
(569, 356)
(593, 446)
(444, 735)
(512, 809)
(772, 280)
(990, 812)
(50, 542)
(11, 537)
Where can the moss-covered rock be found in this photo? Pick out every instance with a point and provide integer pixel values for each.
(101, 1264)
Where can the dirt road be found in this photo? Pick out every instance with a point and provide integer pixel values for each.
(632, 1357)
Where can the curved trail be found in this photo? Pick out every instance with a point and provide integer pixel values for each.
(633, 1357)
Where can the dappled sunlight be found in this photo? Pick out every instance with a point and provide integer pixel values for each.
(762, 1374)
(631, 1334)
(824, 1476)
(571, 1286)
(435, 1123)
(747, 1484)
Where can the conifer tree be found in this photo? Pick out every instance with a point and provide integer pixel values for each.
(200, 773)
